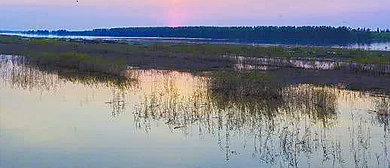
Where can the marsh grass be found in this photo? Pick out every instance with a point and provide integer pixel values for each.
(9, 40)
(66, 55)
(177, 56)
(382, 35)
(374, 58)
(81, 62)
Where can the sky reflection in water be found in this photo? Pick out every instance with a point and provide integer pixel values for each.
(155, 118)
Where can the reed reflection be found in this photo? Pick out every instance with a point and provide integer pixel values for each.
(382, 112)
(19, 72)
(23, 73)
(287, 126)
(14, 71)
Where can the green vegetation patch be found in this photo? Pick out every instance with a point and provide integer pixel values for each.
(382, 35)
(67, 55)
(372, 60)
(9, 40)
(146, 54)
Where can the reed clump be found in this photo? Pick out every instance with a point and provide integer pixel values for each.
(81, 62)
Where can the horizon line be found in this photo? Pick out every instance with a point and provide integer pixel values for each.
(231, 26)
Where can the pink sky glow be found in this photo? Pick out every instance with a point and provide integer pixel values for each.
(87, 14)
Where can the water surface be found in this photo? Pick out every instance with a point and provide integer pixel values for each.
(159, 118)
(377, 46)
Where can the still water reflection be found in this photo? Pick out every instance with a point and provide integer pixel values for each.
(156, 118)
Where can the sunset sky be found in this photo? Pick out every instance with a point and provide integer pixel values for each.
(89, 14)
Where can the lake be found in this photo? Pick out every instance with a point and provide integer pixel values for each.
(166, 118)
(378, 46)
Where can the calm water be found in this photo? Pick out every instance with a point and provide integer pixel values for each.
(379, 46)
(155, 118)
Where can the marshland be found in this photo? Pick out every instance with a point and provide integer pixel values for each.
(194, 84)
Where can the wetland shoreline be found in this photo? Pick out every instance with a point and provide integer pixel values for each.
(179, 56)
(353, 69)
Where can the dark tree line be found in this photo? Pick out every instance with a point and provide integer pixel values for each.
(258, 34)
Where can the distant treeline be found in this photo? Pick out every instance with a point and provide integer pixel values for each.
(258, 34)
